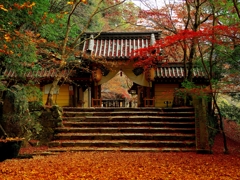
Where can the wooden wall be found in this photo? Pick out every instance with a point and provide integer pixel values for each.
(85, 98)
(163, 93)
(62, 98)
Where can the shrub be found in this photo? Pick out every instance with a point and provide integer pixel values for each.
(17, 120)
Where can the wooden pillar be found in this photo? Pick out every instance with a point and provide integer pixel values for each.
(75, 96)
(99, 91)
(70, 89)
(148, 96)
(95, 92)
(80, 97)
(148, 92)
(139, 96)
(89, 97)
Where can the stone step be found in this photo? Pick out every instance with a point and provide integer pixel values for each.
(124, 136)
(129, 118)
(128, 113)
(124, 130)
(130, 124)
(122, 143)
(117, 109)
(120, 149)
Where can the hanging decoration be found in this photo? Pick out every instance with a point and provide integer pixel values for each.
(97, 75)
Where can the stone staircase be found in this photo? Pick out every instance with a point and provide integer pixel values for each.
(126, 129)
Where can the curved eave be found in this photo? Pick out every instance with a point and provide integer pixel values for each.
(177, 73)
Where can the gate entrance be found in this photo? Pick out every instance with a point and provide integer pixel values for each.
(153, 87)
(124, 86)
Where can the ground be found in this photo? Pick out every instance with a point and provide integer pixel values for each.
(126, 166)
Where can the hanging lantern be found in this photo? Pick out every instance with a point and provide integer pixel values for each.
(97, 75)
(150, 74)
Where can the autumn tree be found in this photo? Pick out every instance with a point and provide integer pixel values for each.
(45, 34)
(117, 87)
(18, 42)
(18, 54)
(68, 45)
(197, 33)
(53, 29)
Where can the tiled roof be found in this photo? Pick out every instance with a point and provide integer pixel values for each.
(177, 72)
(161, 72)
(38, 74)
(117, 45)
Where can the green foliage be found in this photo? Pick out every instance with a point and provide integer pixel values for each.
(235, 60)
(225, 12)
(227, 56)
(54, 25)
(27, 30)
(82, 14)
(213, 129)
(190, 90)
(188, 84)
(23, 15)
(53, 31)
(22, 56)
(230, 111)
(15, 35)
(16, 17)
(235, 96)
(24, 126)
(2, 85)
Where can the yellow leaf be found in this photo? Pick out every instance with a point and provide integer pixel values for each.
(52, 20)
(2, 8)
(5, 46)
(7, 37)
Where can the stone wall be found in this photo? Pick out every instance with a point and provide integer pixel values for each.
(50, 118)
(201, 125)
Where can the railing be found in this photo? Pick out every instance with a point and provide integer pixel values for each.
(113, 102)
(149, 102)
(97, 102)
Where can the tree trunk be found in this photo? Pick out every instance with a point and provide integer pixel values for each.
(221, 126)
(51, 91)
(4, 132)
(191, 58)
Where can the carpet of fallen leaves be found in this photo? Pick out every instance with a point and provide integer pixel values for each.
(127, 166)
(232, 129)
